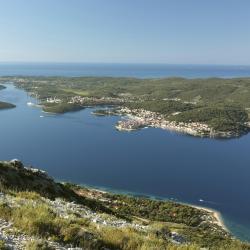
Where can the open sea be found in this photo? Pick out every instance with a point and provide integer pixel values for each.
(86, 149)
(123, 70)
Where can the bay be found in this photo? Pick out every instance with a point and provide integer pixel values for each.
(86, 149)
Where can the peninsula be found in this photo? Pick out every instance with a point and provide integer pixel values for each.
(212, 107)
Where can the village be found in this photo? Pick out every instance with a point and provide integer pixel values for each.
(95, 100)
(139, 118)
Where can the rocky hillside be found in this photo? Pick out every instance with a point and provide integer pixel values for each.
(38, 213)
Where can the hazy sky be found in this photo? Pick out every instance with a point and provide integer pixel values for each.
(147, 31)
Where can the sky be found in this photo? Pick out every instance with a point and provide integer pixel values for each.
(126, 31)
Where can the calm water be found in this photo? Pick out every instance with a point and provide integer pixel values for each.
(126, 70)
(82, 148)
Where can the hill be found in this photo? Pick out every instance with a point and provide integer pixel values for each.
(38, 213)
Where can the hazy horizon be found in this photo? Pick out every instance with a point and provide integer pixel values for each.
(125, 63)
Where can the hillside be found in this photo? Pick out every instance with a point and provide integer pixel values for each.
(38, 213)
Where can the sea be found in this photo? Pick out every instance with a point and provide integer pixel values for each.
(123, 70)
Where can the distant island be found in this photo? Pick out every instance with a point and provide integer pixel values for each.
(213, 107)
(38, 213)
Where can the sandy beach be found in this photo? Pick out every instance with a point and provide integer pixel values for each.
(216, 214)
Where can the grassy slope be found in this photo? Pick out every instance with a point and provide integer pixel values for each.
(158, 215)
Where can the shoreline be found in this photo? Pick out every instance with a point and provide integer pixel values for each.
(216, 214)
(140, 118)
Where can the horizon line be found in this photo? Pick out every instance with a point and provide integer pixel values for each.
(128, 63)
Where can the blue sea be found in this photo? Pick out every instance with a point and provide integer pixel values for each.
(86, 149)
(123, 70)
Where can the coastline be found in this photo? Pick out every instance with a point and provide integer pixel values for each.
(140, 118)
(215, 214)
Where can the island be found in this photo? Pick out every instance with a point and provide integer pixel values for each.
(213, 107)
(38, 213)
(5, 105)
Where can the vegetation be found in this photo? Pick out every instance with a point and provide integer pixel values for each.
(165, 107)
(18, 178)
(236, 90)
(62, 108)
(37, 219)
(156, 210)
(220, 117)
